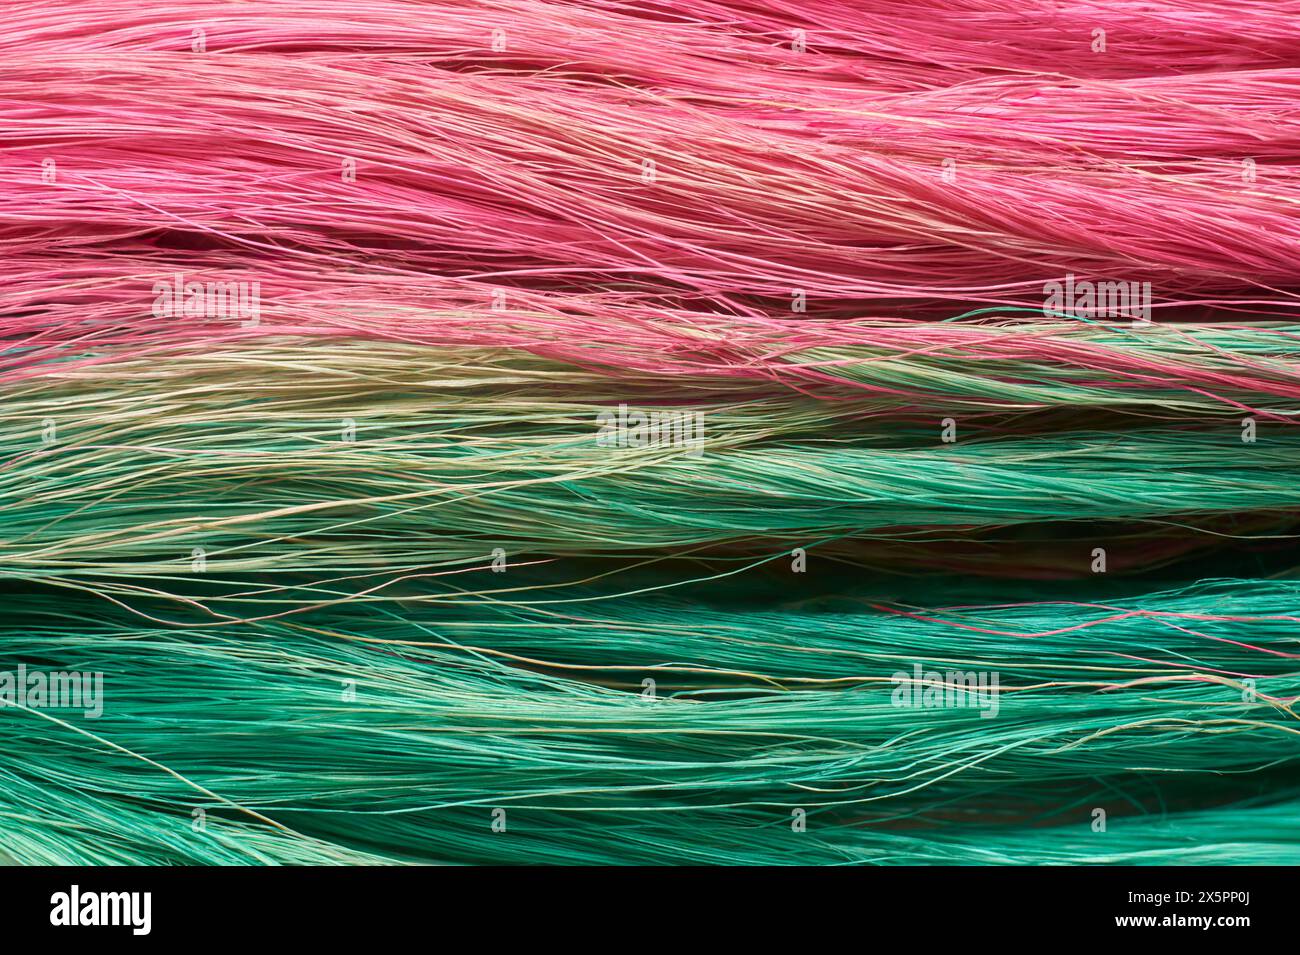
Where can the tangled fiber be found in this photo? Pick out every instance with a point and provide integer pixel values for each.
(707, 431)
(426, 721)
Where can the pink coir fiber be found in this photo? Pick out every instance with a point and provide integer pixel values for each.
(645, 164)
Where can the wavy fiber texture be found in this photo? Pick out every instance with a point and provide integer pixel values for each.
(334, 347)
(478, 706)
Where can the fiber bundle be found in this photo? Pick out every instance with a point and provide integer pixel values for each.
(516, 431)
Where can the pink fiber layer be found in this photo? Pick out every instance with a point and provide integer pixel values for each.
(621, 169)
